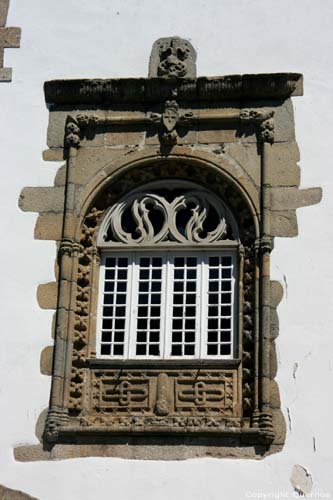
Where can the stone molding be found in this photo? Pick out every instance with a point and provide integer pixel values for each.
(204, 89)
(168, 121)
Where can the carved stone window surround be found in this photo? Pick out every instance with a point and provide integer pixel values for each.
(258, 427)
(234, 400)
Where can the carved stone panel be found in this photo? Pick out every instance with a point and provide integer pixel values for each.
(164, 399)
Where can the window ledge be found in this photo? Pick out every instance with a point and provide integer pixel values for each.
(162, 363)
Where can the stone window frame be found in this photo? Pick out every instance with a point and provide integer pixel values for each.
(70, 387)
(166, 114)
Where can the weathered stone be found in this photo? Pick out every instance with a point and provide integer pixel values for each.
(275, 395)
(138, 449)
(9, 494)
(56, 129)
(279, 425)
(291, 197)
(40, 424)
(301, 480)
(120, 138)
(276, 293)
(214, 89)
(283, 169)
(53, 154)
(47, 295)
(248, 157)
(284, 223)
(172, 57)
(273, 360)
(46, 358)
(42, 199)
(216, 135)
(4, 4)
(283, 121)
(60, 178)
(49, 226)
(9, 38)
(274, 326)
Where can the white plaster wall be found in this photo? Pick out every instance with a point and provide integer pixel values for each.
(111, 38)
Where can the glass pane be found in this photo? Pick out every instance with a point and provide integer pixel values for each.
(185, 276)
(219, 323)
(149, 306)
(114, 318)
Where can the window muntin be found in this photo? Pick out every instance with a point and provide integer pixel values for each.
(167, 305)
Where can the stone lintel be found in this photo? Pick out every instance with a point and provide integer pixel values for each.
(137, 90)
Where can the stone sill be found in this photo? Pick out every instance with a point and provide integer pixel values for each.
(74, 434)
(162, 363)
(138, 90)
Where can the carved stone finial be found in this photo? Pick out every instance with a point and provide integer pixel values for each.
(172, 57)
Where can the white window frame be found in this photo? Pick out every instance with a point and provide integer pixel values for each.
(167, 296)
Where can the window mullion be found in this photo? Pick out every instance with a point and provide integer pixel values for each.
(203, 306)
(168, 297)
(132, 305)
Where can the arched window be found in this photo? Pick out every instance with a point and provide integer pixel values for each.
(168, 275)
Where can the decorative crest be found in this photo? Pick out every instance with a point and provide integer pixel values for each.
(172, 57)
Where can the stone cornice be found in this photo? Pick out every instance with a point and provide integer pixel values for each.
(149, 90)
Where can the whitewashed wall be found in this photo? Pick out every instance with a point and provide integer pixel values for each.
(113, 38)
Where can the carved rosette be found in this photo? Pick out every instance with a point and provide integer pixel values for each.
(263, 120)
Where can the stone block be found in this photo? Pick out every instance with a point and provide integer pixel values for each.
(285, 198)
(283, 169)
(4, 4)
(90, 161)
(49, 227)
(42, 199)
(6, 74)
(274, 324)
(131, 137)
(47, 295)
(279, 425)
(248, 157)
(276, 293)
(275, 395)
(211, 135)
(283, 121)
(284, 223)
(273, 361)
(60, 178)
(9, 494)
(46, 358)
(53, 154)
(57, 123)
